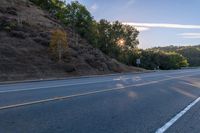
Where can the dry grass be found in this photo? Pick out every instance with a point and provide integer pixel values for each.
(24, 48)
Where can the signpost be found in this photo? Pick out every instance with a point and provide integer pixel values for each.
(138, 62)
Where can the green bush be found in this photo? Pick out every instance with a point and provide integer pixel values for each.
(165, 60)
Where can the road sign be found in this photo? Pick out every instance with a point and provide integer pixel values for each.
(138, 62)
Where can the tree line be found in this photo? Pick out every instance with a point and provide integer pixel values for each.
(191, 53)
(112, 38)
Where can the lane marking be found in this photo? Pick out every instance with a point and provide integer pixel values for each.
(88, 93)
(154, 74)
(54, 86)
(65, 85)
(177, 117)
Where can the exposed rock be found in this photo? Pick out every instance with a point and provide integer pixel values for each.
(45, 35)
(18, 34)
(83, 67)
(6, 22)
(33, 35)
(11, 10)
(42, 41)
(114, 66)
(2, 10)
(69, 68)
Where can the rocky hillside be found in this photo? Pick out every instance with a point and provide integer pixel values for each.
(25, 32)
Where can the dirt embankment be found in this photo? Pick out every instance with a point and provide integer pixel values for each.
(24, 41)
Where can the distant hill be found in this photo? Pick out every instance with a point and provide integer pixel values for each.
(192, 53)
(25, 32)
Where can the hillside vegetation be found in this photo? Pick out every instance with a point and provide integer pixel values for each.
(191, 53)
(114, 39)
(25, 34)
(50, 38)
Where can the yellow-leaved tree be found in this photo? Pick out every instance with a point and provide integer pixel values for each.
(58, 43)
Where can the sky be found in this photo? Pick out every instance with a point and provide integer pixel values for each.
(160, 22)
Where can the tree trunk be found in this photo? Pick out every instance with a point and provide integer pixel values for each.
(76, 39)
(59, 52)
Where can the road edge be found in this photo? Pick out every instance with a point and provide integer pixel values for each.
(73, 77)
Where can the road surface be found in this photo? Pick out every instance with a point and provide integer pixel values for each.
(165, 101)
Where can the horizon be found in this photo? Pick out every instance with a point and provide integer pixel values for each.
(160, 23)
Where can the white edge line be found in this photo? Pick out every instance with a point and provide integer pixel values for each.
(96, 76)
(87, 93)
(178, 116)
(54, 86)
(65, 85)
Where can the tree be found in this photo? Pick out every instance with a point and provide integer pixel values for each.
(114, 39)
(104, 33)
(165, 60)
(130, 36)
(79, 18)
(117, 40)
(58, 44)
(191, 53)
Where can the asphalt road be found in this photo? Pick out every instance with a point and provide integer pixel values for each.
(165, 101)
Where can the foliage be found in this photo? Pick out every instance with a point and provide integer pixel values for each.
(152, 59)
(191, 53)
(117, 40)
(114, 39)
(80, 20)
(58, 44)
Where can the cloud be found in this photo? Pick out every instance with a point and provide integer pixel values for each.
(68, 1)
(163, 25)
(190, 35)
(94, 7)
(130, 2)
(139, 28)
